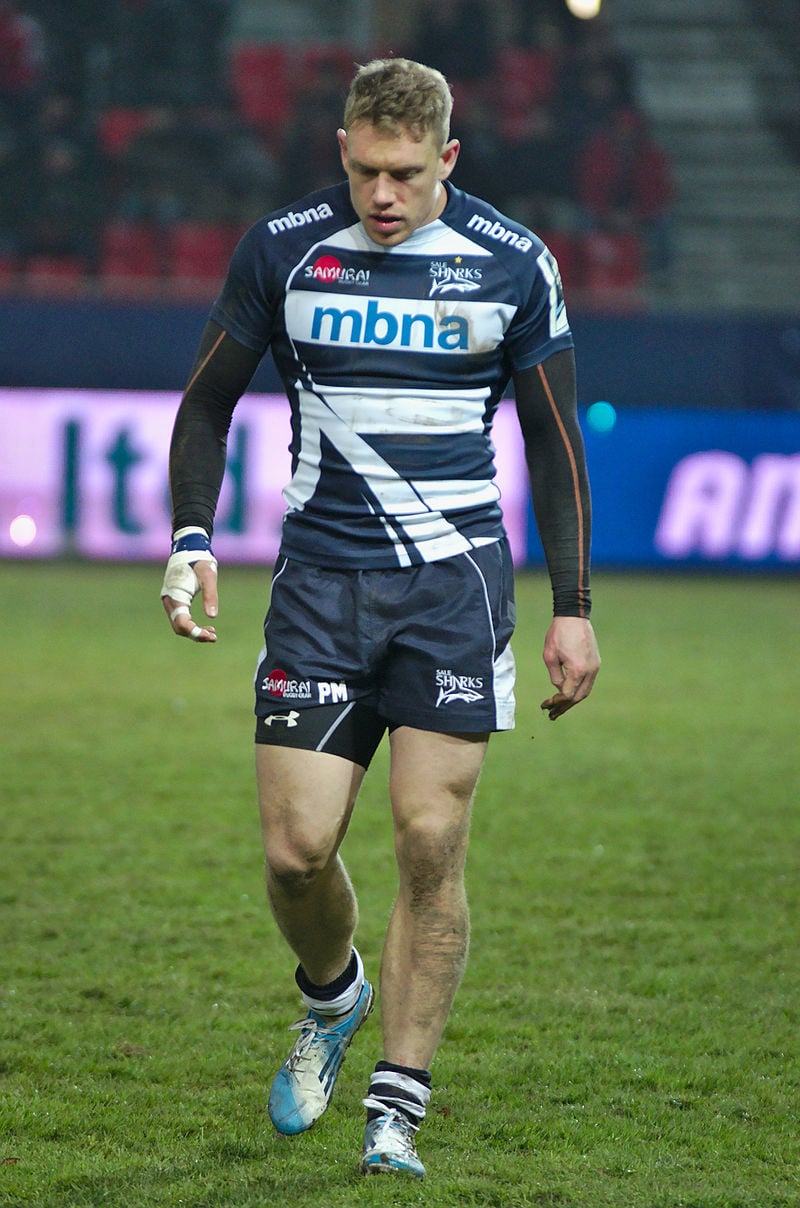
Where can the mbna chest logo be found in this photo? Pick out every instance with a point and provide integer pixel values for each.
(397, 327)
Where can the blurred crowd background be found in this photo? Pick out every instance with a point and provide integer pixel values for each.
(139, 138)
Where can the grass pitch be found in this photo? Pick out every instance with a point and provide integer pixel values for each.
(626, 1034)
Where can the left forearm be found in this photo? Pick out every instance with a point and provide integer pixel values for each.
(556, 461)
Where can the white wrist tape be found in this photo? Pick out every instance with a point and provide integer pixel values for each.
(189, 546)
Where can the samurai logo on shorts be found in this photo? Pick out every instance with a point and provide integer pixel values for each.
(454, 687)
(278, 683)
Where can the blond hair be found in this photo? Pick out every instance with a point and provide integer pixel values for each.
(393, 94)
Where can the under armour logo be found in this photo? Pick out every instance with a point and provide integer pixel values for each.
(290, 718)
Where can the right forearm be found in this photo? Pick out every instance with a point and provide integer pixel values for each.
(222, 372)
(196, 466)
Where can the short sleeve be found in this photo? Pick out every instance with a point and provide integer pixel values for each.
(541, 326)
(246, 304)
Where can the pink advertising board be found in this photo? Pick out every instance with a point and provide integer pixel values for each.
(85, 472)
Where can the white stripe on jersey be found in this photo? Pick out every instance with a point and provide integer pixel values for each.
(421, 412)
(557, 310)
(455, 493)
(434, 235)
(416, 505)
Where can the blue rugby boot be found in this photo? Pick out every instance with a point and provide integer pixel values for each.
(389, 1145)
(304, 1084)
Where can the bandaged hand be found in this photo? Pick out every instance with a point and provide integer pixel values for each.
(191, 548)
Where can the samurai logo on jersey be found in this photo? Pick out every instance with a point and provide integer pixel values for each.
(456, 278)
(330, 270)
(457, 687)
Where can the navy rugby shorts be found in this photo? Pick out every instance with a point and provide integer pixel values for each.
(349, 654)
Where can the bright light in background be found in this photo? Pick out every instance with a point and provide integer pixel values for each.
(22, 531)
(585, 9)
(601, 417)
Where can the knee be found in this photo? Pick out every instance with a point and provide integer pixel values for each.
(430, 857)
(293, 866)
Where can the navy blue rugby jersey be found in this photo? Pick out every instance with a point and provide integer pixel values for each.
(394, 361)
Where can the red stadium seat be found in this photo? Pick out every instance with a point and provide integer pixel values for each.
(613, 267)
(200, 251)
(118, 127)
(55, 274)
(526, 79)
(130, 250)
(9, 269)
(261, 88)
(567, 250)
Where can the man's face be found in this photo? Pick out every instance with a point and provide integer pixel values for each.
(395, 181)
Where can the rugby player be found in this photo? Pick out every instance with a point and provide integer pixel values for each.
(397, 309)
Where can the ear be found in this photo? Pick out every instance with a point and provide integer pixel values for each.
(447, 160)
(341, 135)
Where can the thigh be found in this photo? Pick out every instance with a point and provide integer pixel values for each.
(305, 801)
(433, 781)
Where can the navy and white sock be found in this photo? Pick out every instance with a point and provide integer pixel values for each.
(400, 1087)
(339, 996)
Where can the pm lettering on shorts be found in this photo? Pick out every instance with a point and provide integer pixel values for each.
(330, 693)
(452, 687)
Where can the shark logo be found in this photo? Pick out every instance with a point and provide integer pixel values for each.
(457, 687)
(454, 278)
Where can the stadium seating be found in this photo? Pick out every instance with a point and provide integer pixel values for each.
(568, 251)
(261, 88)
(117, 127)
(130, 250)
(613, 267)
(200, 251)
(55, 274)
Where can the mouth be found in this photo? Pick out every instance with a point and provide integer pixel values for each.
(385, 224)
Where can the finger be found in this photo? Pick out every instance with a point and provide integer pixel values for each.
(181, 620)
(584, 687)
(555, 669)
(207, 577)
(557, 705)
(202, 633)
(571, 687)
(571, 694)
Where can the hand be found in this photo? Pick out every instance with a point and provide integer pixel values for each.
(191, 568)
(573, 660)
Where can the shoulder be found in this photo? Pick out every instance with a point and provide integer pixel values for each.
(300, 224)
(492, 230)
(522, 265)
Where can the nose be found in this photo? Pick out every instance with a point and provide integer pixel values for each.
(383, 193)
